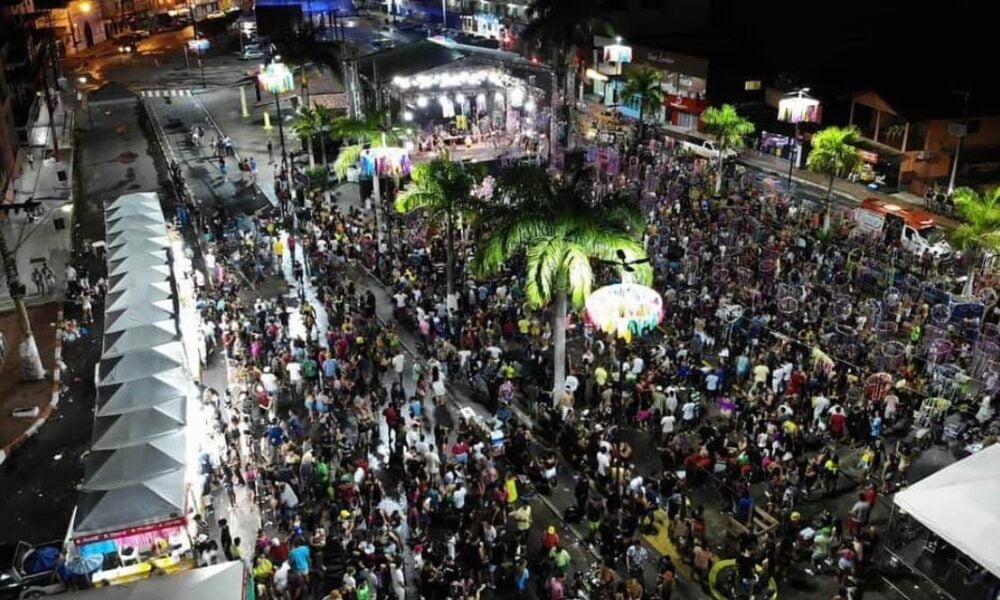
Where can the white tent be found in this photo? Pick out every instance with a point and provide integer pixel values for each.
(961, 505)
(140, 364)
(141, 394)
(136, 316)
(147, 231)
(133, 221)
(145, 244)
(151, 501)
(147, 276)
(137, 295)
(138, 338)
(149, 199)
(137, 261)
(139, 427)
(124, 467)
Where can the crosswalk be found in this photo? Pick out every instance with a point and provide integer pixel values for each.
(172, 93)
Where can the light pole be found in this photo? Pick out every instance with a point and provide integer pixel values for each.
(960, 132)
(278, 79)
(796, 107)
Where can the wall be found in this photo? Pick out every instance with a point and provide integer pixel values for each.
(943, 146)
(8, 138)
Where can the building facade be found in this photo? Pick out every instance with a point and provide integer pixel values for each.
(912, 147)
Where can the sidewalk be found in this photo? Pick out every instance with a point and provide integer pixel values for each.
(17, 394)
(854, 192)
(43, 238)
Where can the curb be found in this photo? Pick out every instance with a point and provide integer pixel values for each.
(47, 410)
(236, 153)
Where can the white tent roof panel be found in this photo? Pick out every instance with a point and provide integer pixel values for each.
(137, 316)
(138, 338)
(141, 363)
(141, 394)
(124, 467)
(139, 427)
(137, 295)
(961, 504)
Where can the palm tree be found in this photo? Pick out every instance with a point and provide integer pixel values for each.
(443, 189)
(325, 120)
(560, 226)
(980, 229)
(307, 125)
(730, 129)
(368, 131)
(644, 84)
(833, 153)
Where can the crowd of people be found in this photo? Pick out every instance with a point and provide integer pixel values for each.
(761, 422)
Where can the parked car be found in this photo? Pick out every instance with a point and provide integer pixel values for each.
(252, 54)
(31, 573)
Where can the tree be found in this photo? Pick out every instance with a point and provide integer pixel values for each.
(31, 362)
(560, 226)
(325, 120)
(833, 153)
(980, 229)
(368, 131)
(730, 129)
(644, 84)
(307, 125)
(443, 189)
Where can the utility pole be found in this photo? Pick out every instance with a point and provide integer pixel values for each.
(31, 362)
(962, 131)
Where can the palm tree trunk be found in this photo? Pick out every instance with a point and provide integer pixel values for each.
(309, 148)
(451, 301)
(718, 180)
(322, 148)
(31, 362)
(641, 124)
(559, 345)
(829, 200)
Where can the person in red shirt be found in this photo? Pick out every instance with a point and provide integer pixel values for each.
(550, 539)
(838, 421)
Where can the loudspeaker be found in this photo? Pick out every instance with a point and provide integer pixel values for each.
(62, 176)
(59, 223)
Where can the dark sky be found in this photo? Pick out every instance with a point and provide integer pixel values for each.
(861, 42)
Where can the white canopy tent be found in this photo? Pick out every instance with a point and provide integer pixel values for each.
(139, 364)
(148, 199)
(138, 338)
(139, 260)
(138, 295)
(145, 314)
(131, 465)
(961, 505)
(140, 394)
(139, 427)
(139, 245)
(147, 276)
(147, 231)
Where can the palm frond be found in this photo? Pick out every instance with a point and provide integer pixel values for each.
(347, 157)
(544, 270)
(579, 274)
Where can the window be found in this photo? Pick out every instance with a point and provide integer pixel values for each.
(751, 85)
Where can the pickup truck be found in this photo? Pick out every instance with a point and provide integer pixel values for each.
(705, 149)
(31, 573)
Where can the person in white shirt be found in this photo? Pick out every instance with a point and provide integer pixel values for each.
(667, 424)
(603, 462)
(281, 577)
(458, 497)
(689, 413)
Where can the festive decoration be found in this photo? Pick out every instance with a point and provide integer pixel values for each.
(625, 309)
(387, 160)
(276, 78)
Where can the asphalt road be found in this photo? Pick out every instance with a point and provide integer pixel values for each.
(39, 480)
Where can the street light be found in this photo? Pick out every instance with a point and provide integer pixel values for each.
(797, 107)
(278, 79)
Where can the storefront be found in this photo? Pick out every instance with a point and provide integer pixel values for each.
(684, 80)
(879, 168)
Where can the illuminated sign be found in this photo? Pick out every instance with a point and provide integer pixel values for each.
(799, 108)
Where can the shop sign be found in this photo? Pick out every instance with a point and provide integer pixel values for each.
(617, 53)
(685, 104)
(868, 156)
(799, 108)
(130, 531)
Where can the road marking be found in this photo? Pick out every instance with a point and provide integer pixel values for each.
(164, 93)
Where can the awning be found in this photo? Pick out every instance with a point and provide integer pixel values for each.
(960, 505)
(140, 394)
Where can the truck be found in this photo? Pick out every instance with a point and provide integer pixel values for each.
(705, 149)
(914, 230)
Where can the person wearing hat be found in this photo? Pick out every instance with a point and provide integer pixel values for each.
(550, 539)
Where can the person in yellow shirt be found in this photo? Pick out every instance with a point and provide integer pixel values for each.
(510, 486)
(278, 247)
